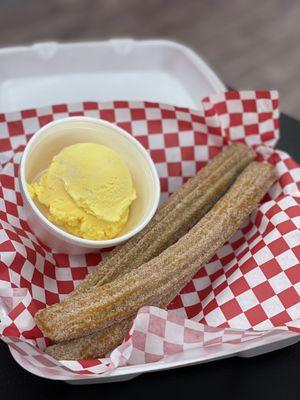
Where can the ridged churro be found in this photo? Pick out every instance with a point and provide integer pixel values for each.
(129, 256)
(117, 300)
(183, 209)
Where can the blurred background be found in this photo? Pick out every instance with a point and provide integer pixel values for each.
(249, 43)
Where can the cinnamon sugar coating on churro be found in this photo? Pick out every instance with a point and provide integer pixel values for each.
(99, 343)
(183, 209)
(115, 301)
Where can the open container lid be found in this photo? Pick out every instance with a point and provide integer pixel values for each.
(119, 69)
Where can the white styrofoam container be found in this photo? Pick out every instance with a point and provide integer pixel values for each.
(120, 69)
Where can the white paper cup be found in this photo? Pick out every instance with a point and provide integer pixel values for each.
(48, 142)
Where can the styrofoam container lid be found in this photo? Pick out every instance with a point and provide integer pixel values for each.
(118, 69)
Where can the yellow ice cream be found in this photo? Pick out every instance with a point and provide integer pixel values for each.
(87, 190)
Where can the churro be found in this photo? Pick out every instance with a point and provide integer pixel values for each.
(183, 209)
(117, 300)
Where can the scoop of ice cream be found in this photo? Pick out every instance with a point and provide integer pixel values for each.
(87, 190)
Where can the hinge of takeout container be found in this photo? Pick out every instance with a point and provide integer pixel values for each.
(45, 50)
(122, 46)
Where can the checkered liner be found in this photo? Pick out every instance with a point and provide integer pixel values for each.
(248, 288)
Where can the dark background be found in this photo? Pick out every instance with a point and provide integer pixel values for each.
(251, 44)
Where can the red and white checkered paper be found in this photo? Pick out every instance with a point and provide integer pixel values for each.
(249, 289)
